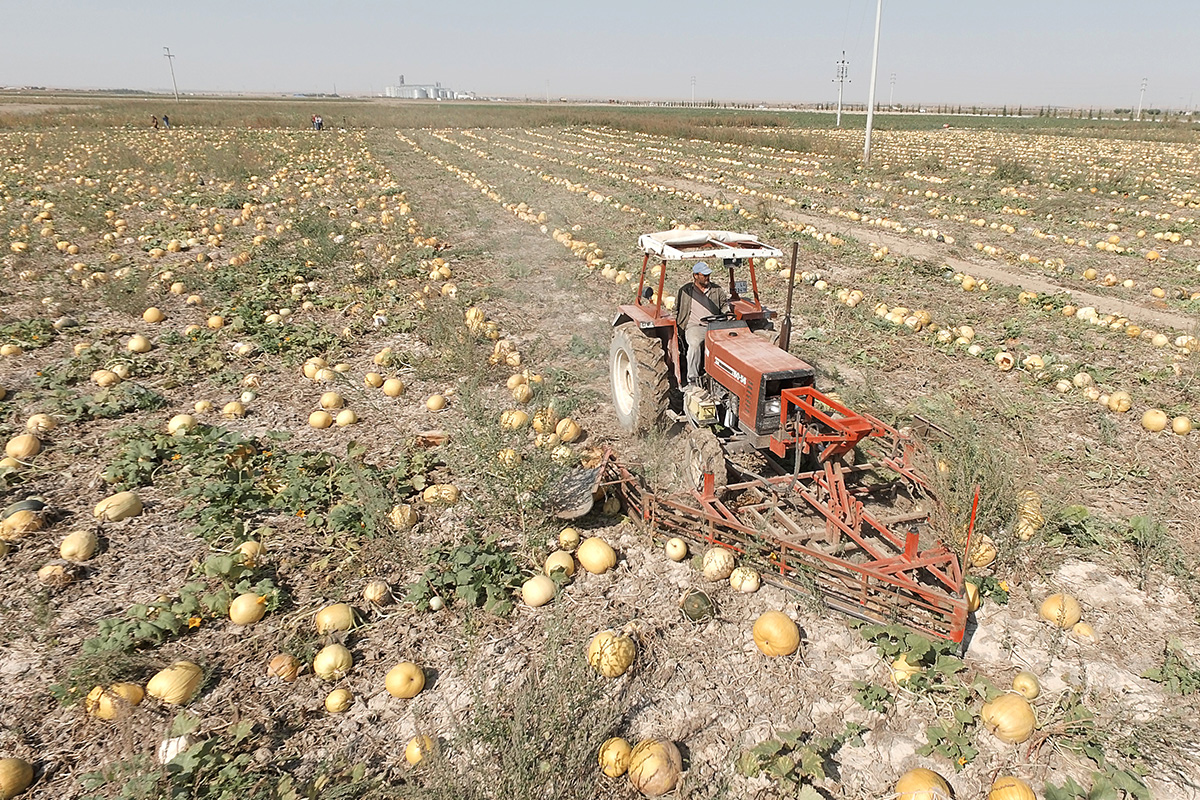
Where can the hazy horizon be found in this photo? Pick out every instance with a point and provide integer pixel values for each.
(1066, 54)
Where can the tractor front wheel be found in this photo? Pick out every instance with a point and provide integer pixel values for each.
(705, 455)
(638, 371)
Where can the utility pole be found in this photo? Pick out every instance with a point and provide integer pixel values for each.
(871, 93)
(547, 91)
(693, 90)
(839, 80)
(171, 61)
(892, 92)
(1141, 97)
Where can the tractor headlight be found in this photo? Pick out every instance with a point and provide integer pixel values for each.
(773, 406)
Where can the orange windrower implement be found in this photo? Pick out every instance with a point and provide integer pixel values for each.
(834, 500)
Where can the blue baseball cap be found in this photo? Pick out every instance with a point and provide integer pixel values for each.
(701, 269)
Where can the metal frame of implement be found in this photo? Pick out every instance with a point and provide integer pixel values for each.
(858, 564)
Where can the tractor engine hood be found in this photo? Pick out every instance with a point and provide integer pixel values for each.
(754, 371)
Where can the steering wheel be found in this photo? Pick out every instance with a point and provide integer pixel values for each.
(724, 315)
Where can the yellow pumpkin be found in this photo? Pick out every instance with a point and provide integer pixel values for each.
(902, 670)
(405, 680)
(119, 506)
(973, 598)
(418, 748)
(1009, 717)
(513, 419)
(338, 701)
(113, 702)
(983, 552)
(568, 430)
(23, 447)
(922, 784)
(285, 667)
(332, 662)
(177, 683)
(776, 634)
(538, 590)
(15, 776)
(654, 766)
(1026, 683)
(1006, 787)
(614, 757)
(596, 556)
(334, 618)
(1061, 609)
(718, 564)
(560, 560)
(247, 609)
(611, 653)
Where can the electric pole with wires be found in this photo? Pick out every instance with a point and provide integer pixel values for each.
(171, 61)
(840, 80)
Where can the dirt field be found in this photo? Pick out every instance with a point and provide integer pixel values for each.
(280, 246)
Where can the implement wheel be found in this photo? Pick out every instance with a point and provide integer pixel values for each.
(705, 454)
(638, 374)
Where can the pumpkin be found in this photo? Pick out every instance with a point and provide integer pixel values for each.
(335, 617)
(776, 634)
(320, 419)
(23, 447)
(1026, 683)
(676, 549)
(332, 400)
(285, 667)
(418, 748)
(745, 580)
(568, 430)
(403, 517)
(596, 556)
(696, 605)
(1082, 632)
(338, 701)
(568, 539)
(1006, 787)
(435, 402)
(332, 662)
(973, 598)
(180, 423)
(393, 387)
(922, 784)
(1009, 717)
(405, 680)
(1154, 420)
(902, 669)
(614, 757)
(153, 315)
(247, 609)
(40, 424)
(377, 593)
(611, 653)
(560, 560)
(654, 766)
(538, 590)
(119, 506)
(15, 776)
(717, 564)
(1061, 609)
(513, 419)
(251, 551)
(176, 684)
(114, 701)
(983, 552)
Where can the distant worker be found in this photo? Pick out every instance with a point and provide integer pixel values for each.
(699, 299)
(166, 122)
(320, 122)
(314, 122)
(154, 122)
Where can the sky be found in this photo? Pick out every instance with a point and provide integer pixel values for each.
(1021, 52)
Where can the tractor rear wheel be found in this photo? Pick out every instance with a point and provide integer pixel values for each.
(641, 390)
(705, 455)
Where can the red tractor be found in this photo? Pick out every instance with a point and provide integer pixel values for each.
(824, 498)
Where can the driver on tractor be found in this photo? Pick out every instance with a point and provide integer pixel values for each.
(698, 300)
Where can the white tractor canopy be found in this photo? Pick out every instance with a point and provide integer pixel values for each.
(678, 245)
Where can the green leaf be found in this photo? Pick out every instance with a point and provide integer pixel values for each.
(767, 749)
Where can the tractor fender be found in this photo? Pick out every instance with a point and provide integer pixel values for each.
(622, 319)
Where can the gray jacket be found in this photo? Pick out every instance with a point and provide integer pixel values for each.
(715, 295)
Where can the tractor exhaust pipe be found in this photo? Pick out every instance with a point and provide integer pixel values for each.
(785, 327)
